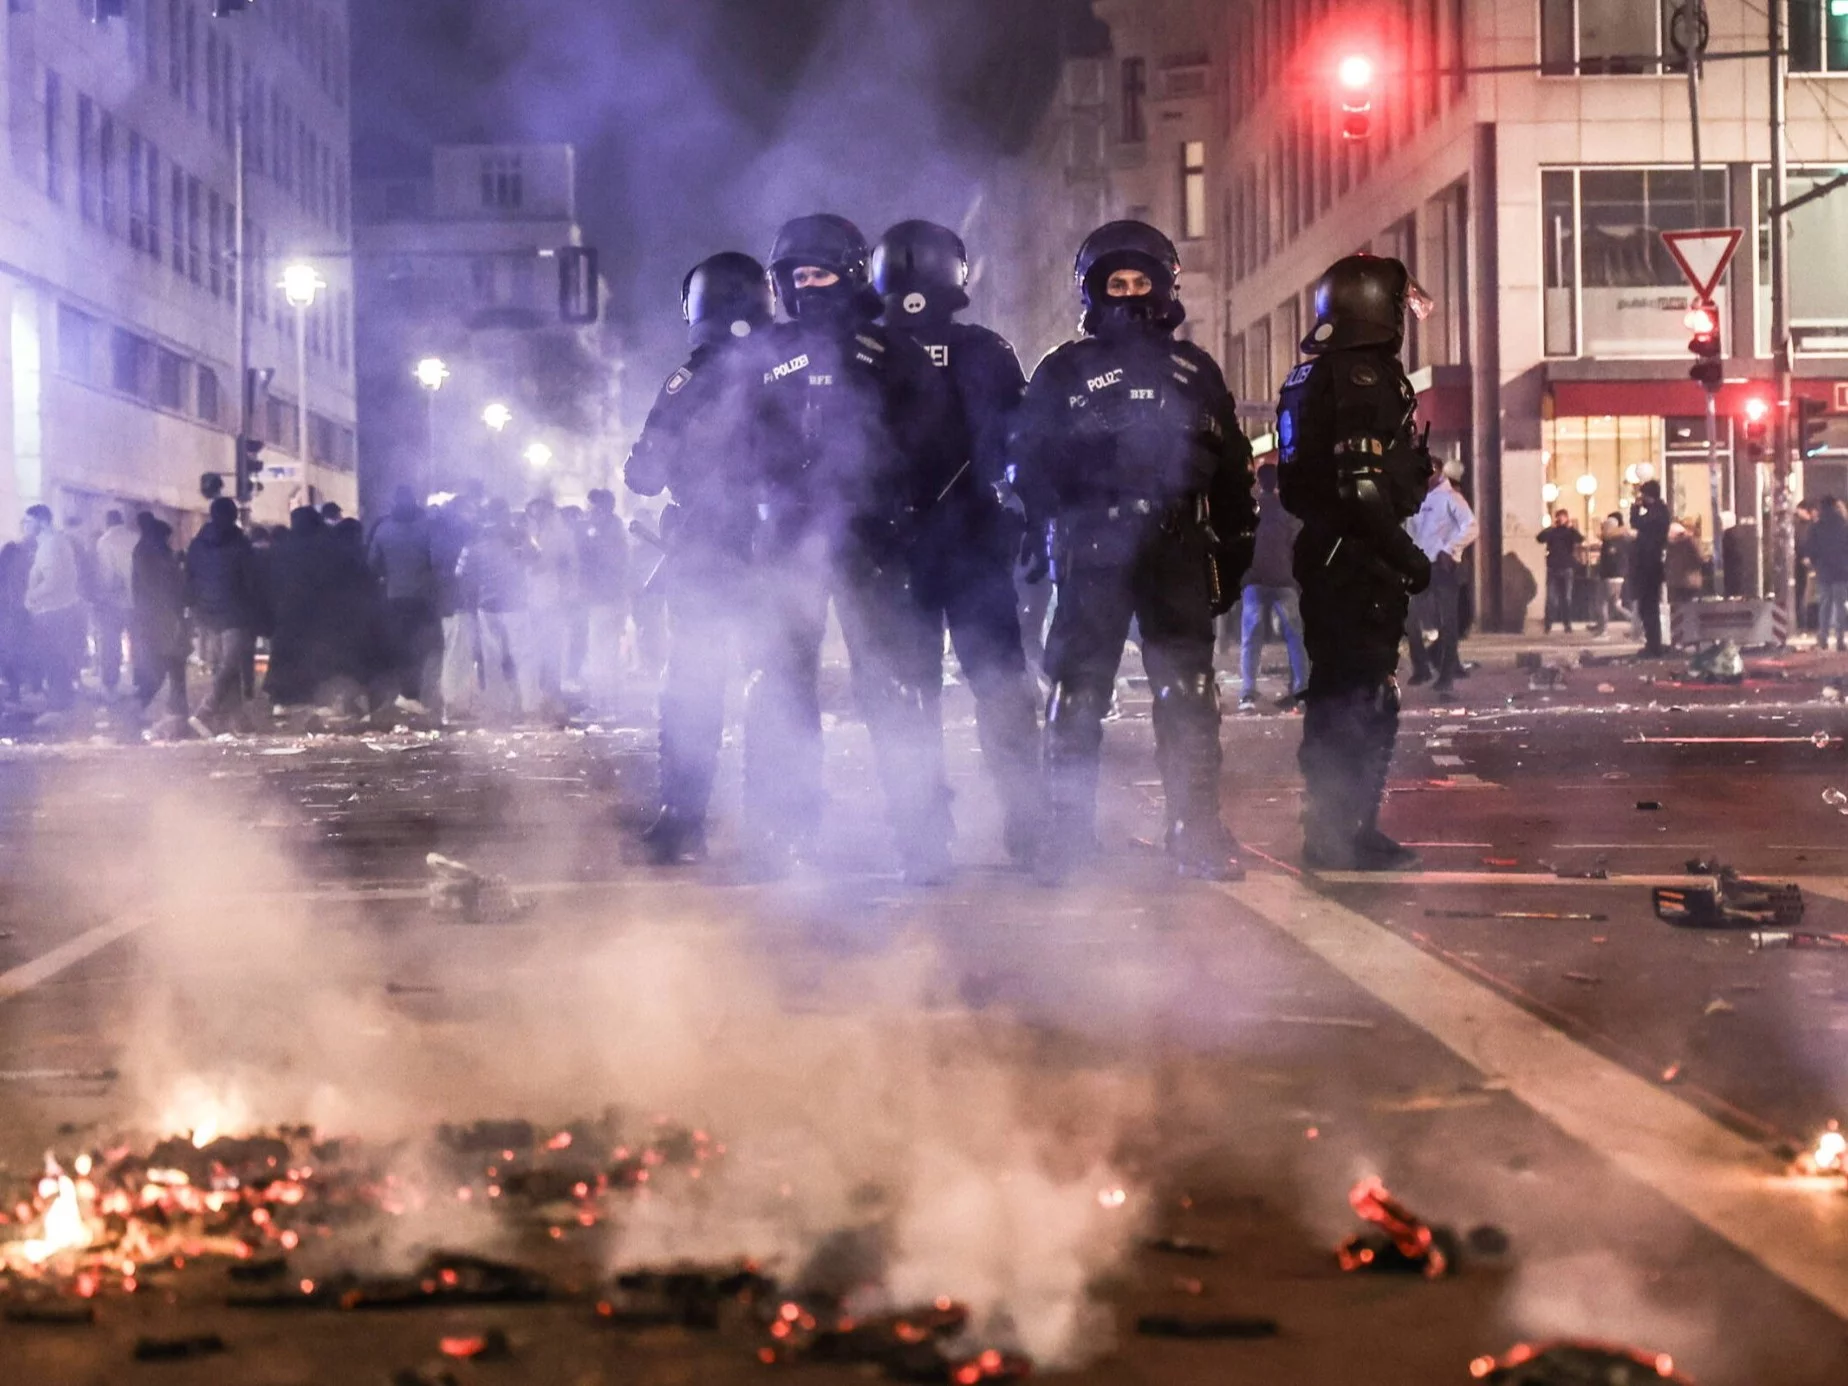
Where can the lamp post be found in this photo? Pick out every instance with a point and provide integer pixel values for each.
(300, 284)
(1587, 486)
(430, 373)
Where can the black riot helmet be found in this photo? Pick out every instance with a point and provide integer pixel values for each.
(1129, 245)
(829, 242)
(1361, 301)
(724, 297)
(921, 270)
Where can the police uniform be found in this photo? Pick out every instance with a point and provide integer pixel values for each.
(963, 564)
(703, 442)
(867, 432)
(1128, 445)
(1352, 468)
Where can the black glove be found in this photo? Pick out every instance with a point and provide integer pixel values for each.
(1036, 554)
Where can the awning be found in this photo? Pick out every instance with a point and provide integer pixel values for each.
(1663, 398)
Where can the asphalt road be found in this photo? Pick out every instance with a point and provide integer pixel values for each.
(239, 934)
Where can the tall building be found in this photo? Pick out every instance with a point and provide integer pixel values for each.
(459, 264)
(118, 267)
(1529, 201)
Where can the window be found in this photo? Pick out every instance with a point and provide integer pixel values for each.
(86, 158)
(105, 171)
(1193, 190)
(76, 335)
(208, 394)
(502, 185)
(195, 247)
(137, 194)
(214, 102)
(340, 198)
(261, 298)
(176, 48)
(1818, 36)
(150, 40)
(1607, 36)
(54, 148)
(128, 360)
(1818, 230)
(169, 379)
(215, 247)
(227, 85)
(1135, 87)
(192, 60)
(1609, 279)
(343, 328)
(176, 224)
(154, 191)
(254, 127)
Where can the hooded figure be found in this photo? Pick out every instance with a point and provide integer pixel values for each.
(158, 638)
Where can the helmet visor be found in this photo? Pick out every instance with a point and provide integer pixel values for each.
(1417, 300)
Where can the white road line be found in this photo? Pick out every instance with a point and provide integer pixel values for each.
(1722, 1180)
(1496, 878)
(67, 955)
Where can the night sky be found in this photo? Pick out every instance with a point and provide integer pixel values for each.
(703, 123)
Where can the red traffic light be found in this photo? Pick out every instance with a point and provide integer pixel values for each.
(1756, 409)
(1355, 72)
(1701, 321)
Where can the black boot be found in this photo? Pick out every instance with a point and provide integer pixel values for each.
(674, 839)
(1205, 850)
(1373, 849)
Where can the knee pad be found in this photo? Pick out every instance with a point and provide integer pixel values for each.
(1188, 692)
(1076, 703)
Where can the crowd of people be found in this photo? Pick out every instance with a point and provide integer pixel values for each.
(465, 611)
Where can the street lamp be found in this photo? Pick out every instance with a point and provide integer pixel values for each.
(300, 284)
(1586, 486)
(497, 417)
(1549, 493)
(430, 373)
(539, 454)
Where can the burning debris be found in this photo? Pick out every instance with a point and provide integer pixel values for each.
(459, 889)
(1402, 1243)
(1827, 1159)
(1221, 1328)
(1727, 900)
(923, 1344)
(1576, 1364)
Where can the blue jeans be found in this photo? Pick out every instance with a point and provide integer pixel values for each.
(1831, 611)
(1282, 600)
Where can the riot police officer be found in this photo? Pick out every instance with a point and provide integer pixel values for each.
(1128, 453)
(963, 562)
(1353, 469)
(702, 442)
(868, 440)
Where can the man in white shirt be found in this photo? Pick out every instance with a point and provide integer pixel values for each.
(113, 598)
(1443, 528)
(54, 602)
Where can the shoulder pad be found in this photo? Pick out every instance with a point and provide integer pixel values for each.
(678, 381)
(870, 343)
(1185, 364)
(1299, 375)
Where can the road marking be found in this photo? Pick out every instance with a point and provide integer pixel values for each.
(1447, 760)
(67, 955)
(1725, 1182)
(1497, 878)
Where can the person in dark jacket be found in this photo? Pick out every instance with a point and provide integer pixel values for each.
(402, 558)
(224, 595)
(1826, 548)
(17, 667)
(1270, 586)
(158, 637)
(301, 640)
(603, 580)
(1649, 520)
(1563, 542)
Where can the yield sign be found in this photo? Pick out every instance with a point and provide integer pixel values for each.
(1703, 255)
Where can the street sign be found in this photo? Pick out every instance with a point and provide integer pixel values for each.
(1703, 255)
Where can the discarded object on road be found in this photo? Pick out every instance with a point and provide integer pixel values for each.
(1181, 1246)
(918, 1344)
(1649, 805)
(1576, 1363)
(152, 1349)
(1717, 663)
(1828, 1156)
(1515, 914)
(684, 1297)
(1795, 938)
(1178, 1326)
(1727, 900)
(59, 1311)
(491, 1346)
(1403, 1243)
(458, 888)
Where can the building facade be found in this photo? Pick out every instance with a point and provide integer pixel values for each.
(1529, 203)
(118, 265)
(458, 263)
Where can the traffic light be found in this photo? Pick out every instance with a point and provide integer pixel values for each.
(1703, 320)
(1812, 426)
(579, 289)
(1754, 426)
(1354, 75)
(249, 468)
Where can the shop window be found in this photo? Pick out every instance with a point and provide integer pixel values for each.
(1818, 231)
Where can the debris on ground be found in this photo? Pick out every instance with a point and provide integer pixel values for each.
(459, 889)
(1516, 914)
(1576, 1363)
(1829, 1156)
(1181, 1246)
(1727, 900)
(1649, 805)
(1584, 979)
(1486, 1239)
(490, 1346)
(1401, 1242)
(1720, 662)
(153, 1349)
(1225, 1326)
(1795, 938)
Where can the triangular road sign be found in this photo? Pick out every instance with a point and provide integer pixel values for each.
(1703, 255)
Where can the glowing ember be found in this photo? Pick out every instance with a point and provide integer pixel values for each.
(64, 1226)
(1831, 1153)
(1112, 1198)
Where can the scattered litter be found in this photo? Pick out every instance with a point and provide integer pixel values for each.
(407, 989)
(1672, 1072)
(1576, 1364)
(1401, 1243)
(1515, 914)
(283, 751)
(1175, 1326)
(1727, 900)
(58, 1075)
(458, 888)
(1501, 861)
(1836, 800)
(1607, 688)
(1486, 1239)
(1789, 938)
(151, 1349)
(1584, 979)
(62, 1312)
(1717, 663)
(491, 1346)
(1188, 1285)
(1649, 805)
(1828, 1156)
(1719, 1007)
